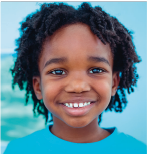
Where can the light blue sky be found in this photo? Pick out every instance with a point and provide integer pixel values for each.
(133, 15)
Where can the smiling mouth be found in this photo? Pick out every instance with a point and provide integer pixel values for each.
(77, 105)
(79, 108)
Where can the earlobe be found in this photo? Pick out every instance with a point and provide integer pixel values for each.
(37, 88)
(115, 82)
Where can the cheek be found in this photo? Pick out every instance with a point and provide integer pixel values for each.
(103, 88)
(50, 90)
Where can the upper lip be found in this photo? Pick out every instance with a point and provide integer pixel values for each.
(78, 100)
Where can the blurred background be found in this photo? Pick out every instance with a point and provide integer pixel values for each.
(17, 120)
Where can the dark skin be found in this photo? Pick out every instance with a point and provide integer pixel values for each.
(86, 74)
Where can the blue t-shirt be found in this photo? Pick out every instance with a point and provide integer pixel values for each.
(44, 142)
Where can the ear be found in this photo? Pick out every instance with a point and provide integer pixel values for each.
(37, 88)
(115, 82)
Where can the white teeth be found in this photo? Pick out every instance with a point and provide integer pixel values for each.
(70, 104)
(85, 104)
(66, 104)
(75, 105)
(81, 105)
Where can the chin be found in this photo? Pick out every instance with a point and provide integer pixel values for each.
(76, 123)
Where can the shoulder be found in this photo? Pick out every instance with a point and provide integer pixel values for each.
(27, 143)
(131, 144)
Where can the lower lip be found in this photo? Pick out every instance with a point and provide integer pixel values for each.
(77, 111)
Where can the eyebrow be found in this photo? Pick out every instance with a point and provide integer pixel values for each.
(98, 59)
(63, 60)
(55, 61)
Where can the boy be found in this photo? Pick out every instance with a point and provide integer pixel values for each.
(75, 64)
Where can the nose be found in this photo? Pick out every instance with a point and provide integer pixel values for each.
(77, 85)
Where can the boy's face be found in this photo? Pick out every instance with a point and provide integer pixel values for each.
(75, 67)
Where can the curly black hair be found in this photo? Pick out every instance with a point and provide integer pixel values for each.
(44, 22)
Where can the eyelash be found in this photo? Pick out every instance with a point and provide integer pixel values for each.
(100, 69)
(57, 70)
(61, 71)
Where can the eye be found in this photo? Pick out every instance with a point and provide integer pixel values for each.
(96, 70)
(57, 72)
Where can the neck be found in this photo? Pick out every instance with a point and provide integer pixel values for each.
(87, 134)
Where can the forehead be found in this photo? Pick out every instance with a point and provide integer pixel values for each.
(74, 41)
